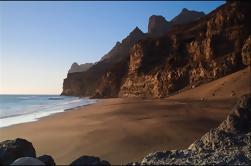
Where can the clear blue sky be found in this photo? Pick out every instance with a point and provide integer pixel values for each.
(40, 40)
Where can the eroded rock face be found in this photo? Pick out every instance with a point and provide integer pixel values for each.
(95, 82)
(207, 49)
(89, 160)
(246, 50)
(10, 150)
(189, 54)
(229, 144)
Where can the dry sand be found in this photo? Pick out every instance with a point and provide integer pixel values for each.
(125, 130)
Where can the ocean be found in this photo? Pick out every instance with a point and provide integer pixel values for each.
(16, 109)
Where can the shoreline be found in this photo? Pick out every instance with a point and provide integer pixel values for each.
(35, 116)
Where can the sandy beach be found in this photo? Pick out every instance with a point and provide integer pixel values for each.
(125, 130)
(119, 130)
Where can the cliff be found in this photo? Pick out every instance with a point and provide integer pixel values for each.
(192, 54)
(183, 56)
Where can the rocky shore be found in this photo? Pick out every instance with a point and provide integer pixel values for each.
(230, 143)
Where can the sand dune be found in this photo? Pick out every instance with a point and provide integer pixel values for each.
(124, 130)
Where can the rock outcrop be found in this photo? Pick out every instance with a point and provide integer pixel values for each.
(158, 25)
(47, 160)
(228, 144)
(192, 54)
(89, 160)
(10, 150)
(27, 161)
(75, 67)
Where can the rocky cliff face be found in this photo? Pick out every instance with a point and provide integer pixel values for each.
(183, 56)
(75, 67)
(188, 55)
(103, 79)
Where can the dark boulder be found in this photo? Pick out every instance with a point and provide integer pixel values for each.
(89, 160)
(48, 160)
(10, 150)
(27, 161)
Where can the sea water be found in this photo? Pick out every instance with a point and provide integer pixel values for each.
(16, 109)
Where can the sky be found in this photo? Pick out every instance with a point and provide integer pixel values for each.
(40, 40)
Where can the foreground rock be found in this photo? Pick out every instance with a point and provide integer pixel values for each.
(48, 160)
(229, 144)
(27, 161)
(89, 160)
(10, 150)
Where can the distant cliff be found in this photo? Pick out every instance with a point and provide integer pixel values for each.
(171, 56)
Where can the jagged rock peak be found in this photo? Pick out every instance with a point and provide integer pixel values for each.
(157, 18)
(184, 10)
(75, 67)
(117, 43)
(157, 24)
(186, 16)
(136, 30)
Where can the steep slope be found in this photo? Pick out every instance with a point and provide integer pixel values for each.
(75, 67)
(233, 85)
(189, 55)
